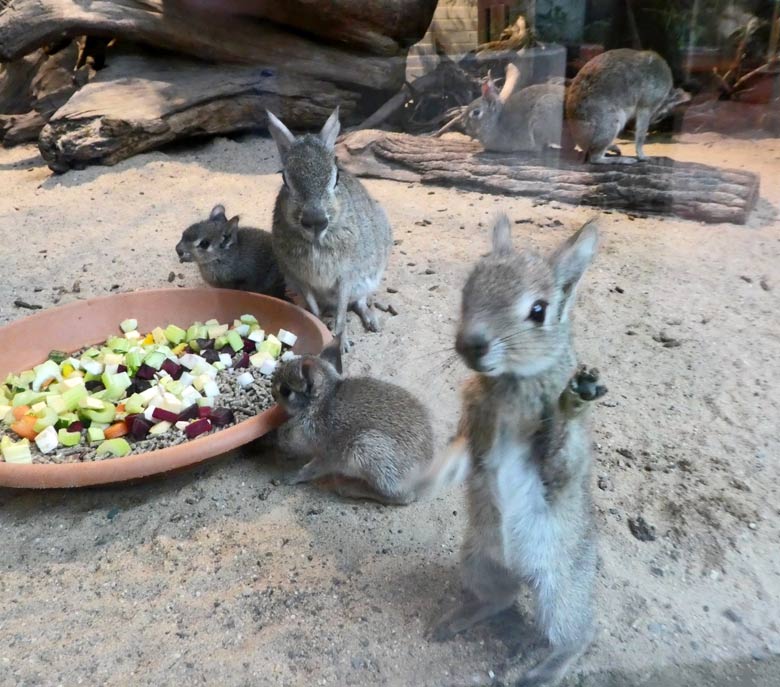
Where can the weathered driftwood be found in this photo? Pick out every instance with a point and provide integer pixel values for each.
(658, 185)
(217, 30)
(138, 103)
(173, 25)
(33, 88)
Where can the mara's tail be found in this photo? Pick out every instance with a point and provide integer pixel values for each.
(448, 468)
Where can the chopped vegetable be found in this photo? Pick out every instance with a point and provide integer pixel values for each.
(15, 451)
(25, 427)
(47, 440)
(95, 435)
(197, 427)
(115, 447)
(128, 325)
(67, 438)
(118, 429)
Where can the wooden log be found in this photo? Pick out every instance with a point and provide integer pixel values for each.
(173, 25)
(658, 185)
(36, 87)
(139, 103)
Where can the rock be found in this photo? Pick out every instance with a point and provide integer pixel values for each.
(655, 570)
(391, 289)
(746, 279)
(765, 284)
(171, 276)
(732, 615)
(626, 453)
(641, 529)
(605, 484)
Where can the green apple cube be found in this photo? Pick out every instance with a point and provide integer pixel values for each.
(134, 359)
(47, 419)
(175, 334)
(128, 325)
(211, 323)
(57, 403)
(5, 411)
(155, 359)
(71, 398)
(91, 367)
(67, 438)
(27, 398)
(271, 345)
(95, 434)
(47, 439)
(16, 451)
(117, 383)
(248, 319)
(220, 342)
(257, 359)
(45, 372)
(235, 341)
(119, 344)
(216, 330)
(135, 404)
(114, 447)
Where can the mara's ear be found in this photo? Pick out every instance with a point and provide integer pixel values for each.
(502, 236)
(230, 233)
(330, 130)
(217, 212)
(489, 91)
(281, 134)
(332, 354)
(511, 79)
(308, 372)
(571, 259)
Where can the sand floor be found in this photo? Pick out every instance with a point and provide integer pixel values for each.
(222, 576)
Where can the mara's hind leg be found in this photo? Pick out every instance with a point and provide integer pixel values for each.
(603, 134)
(366, 314)
(490, 589)
(641, 125)
(564, 614)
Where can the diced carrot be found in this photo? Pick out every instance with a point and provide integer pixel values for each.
(24, 427)
(118, 429)
(46, 384)
(120, 408)
(20, 411)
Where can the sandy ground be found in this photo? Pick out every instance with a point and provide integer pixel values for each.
(220, 576)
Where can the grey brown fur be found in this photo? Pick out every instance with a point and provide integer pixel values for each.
(230, 257)
(529, 501)
(332, 240)
(372, 436)
(609, 91)
(529, 119)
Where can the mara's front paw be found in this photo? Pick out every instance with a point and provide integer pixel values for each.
(583, 388)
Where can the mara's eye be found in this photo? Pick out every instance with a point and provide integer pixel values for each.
(338, 173)
(538, 311)
(285, 390)
(204, 244)
(476, 114)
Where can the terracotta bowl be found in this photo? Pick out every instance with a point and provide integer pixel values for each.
(27, 342)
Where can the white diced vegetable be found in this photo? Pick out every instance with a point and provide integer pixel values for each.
(191, 360)
(160, 427)
(257, 359)
(268, 366)
(133, 336)
(288, 355)
(242, 329)
(190, 395)
(257, 336)
(91, 403)
(111, 368)
(72, 382)
(186, 379)
(94, 367)
(149, 412)
(128, 325)
(182, 424)
(149, 394)
(113, 359)
(287, 338)
(75, 364)
(225, 359)
(47, 440)
(38, 407)
(210, 388)
(245, 379)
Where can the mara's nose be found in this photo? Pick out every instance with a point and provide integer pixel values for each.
(472, 348)
(315, 221)
(179, 250)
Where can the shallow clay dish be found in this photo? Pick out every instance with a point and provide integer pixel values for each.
(27, 342)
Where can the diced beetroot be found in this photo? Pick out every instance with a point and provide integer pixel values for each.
(189, 413)
(204, 411)
(76, 426)
(243, 361)
(172, 368)
(197, 428)
(145, 372)
(121, 368)
(204, 344)
(167, 415)
(221, 416)
(210, 355)
(94, 385)
(140, 427)
(250, 346)
(137, 386)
